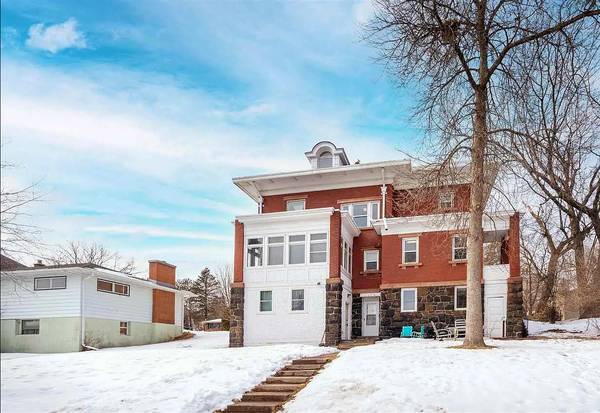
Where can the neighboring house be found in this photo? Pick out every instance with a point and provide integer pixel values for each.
(48, 309)
(331, 255)
(8, 264)
(214, 325)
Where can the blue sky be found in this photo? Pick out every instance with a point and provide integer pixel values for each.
(134, 116)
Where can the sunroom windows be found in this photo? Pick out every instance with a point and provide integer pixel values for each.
(275, 250)
(254, 252)
(363, 213)
(296, 249)
(291, 249)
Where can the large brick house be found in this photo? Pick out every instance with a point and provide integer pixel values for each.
(334, 253)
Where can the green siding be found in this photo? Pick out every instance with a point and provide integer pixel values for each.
(105, 333)
(57, 335)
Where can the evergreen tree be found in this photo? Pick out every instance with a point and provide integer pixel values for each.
(206, 287)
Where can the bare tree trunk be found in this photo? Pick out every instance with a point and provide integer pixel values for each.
(545, 305)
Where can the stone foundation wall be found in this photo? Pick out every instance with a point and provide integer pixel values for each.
(236, 322)
(433, 304)
(333, 312)
(514, 310)
(356, 315)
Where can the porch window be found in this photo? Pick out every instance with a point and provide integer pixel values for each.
(297, 300)
(408, 300)
(295, 205)
(254, 252)
(410, 250)
(460, 298)
(50, 283)
(363, 213)
(371, 259)
(459, 248)
(446, 200)
(318, 248)
(297, 249)
(266, 301)
(124, 328)
(275, 250)
(30, 327)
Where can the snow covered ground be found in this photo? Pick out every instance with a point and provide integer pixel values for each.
(587, 327)
(196, 375)
(415, 375)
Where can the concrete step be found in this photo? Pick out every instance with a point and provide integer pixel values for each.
(278, 387)
(266, 396)
(286, 380)
(304, 366)
(254, 407)
(301, 373)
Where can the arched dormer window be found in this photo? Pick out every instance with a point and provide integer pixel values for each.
(325, 160)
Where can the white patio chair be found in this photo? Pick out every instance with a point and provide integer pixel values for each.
(460, 327)
(442, 333)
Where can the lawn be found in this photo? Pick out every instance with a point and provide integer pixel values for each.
(196, 375)
(415, 375)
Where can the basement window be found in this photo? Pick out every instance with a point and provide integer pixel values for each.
(49, 283)
(30, 327)
(124, 328)
(408, 300)
(460, 298)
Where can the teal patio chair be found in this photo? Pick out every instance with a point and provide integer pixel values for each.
(407, 331)
(419, 334)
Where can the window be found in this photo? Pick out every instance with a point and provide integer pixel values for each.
(297, 249)
(297, 300)
(363, 213)
(30, 327)
(408, 300)
(106, 286)
(371, 259)
(275, 250)
(254, 252)
(50, 283)
(410, 250)
(325, 160)
(460, 298)
(295, 205)
(446, 200)
(318, 248)
(124, 328)
(346, 251)
(459, 248)
(266, 301)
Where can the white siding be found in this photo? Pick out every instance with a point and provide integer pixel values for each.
(20, 301)
(135, 307)
(178, 309)
(282, 325)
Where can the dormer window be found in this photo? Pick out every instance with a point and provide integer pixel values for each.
(325, 160)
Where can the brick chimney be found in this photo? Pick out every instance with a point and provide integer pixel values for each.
(162, 272)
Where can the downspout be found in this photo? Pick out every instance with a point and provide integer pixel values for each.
(260, 204)
(383, 198)
(81, 311)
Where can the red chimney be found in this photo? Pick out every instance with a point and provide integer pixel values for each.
(162, 272)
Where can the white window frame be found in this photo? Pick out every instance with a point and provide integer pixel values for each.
(446, 197)
(289, 201)
(268, 251)
(260, 301)
(346, 263)
(51, 279)
(462, 287)
(348, 207)
(404, 241)
(255, 246)
(304, 310)
(289, 248)
(320, 241)
(454, 237)
(127, 328)
(365, 252)
(404, 310)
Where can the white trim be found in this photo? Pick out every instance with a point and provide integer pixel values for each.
(285, 216)
(456, 294)
(404, 241)
(369, 204)
(402, 309)
(362, 295)
(365, 252)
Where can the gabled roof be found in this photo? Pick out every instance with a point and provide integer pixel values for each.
(8, 264)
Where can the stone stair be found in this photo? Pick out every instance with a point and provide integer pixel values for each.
(357, 342)
(270, 395)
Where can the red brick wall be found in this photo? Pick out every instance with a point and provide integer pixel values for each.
(335, 238)
(238, 253)
(368, 239)
(514, 246)
(163, 307)
(435, 253)
(425, 201)
(161, 271)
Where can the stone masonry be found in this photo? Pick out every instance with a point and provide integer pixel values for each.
(433, 304)
(236, 323)
(333, 312)
(356, 315)
(514, 310)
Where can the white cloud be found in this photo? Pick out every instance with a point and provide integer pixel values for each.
(54, 38)
(152, 231)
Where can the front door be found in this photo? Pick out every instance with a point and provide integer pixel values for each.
(494, 316)
(370, 316)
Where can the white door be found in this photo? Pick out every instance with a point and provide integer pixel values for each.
(370, 316)
(495, 309)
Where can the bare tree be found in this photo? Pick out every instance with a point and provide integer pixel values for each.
(75, 252)
(224, 278)
(462, 53)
